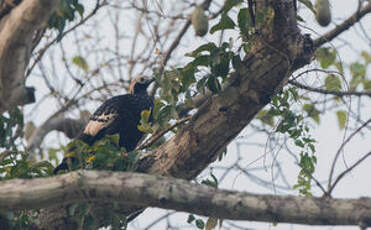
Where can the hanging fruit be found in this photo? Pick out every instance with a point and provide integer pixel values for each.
(323, 13)
(200, 21)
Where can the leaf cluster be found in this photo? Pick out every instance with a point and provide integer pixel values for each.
(292, 124)
(65, 12)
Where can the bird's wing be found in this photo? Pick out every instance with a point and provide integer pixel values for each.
(103, 117)
(98, 123)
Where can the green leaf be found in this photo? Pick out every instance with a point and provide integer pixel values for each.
(342, 118)
(366, 56)
(80, 9)
(145, 128)
(236, 62)
(231, 3)
(309, 5)
(164, 114)
(326, 57)
(220, 65)
(145, 114)
(312, 112)
(213, 84)
(266, 117)
(358, 70)
(191, 218)
(225, 23)
(210, 47)
(244, 21)
(333, 83)
(157, 106)
(299, 143)
(203, 60)
(81, 63)
(367, 85)
(200, 224)
(355, 82)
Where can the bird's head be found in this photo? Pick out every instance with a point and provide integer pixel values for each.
(139, 84)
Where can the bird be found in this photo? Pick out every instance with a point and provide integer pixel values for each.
(118, 115)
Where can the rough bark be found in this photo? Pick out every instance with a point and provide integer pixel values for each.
(180, 195)
(279, 50)
(222, 116)
(16, 32)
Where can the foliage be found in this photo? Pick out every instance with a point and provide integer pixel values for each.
(86, 220)
(209, 68)
(11, 129)
(211, 222)
(81, 62)
(19, 220)
(65, 12)
(104, 154)
(292, 125)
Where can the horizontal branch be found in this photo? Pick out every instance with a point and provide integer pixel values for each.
(180, 195)
(356, 17)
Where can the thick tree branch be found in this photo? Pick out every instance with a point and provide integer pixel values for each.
(180, 195)
(222, 116)
(343, 26)
(70, 127)
(16, 31)
(278, 51)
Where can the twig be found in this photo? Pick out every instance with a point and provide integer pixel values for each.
(155, 137)
(329, 186)
(331, 92)
(47, 46)
(343, 26)
(347, 171)
(317, 70)
(175, 43)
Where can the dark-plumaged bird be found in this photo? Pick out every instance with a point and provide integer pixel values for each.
(120, 114)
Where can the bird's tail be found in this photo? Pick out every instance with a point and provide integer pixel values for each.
(70, 160)
(65, 165)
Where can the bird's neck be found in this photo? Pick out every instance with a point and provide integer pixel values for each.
(142, 92)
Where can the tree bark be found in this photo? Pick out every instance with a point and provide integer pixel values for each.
(169, 193)
(16, 32)
(279, 49)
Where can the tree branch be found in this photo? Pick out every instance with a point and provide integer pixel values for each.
(343, 26)
(222, 116)
(70, 127)
(180, 195)
(277, 51)
(16, 31)
(330, 92)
